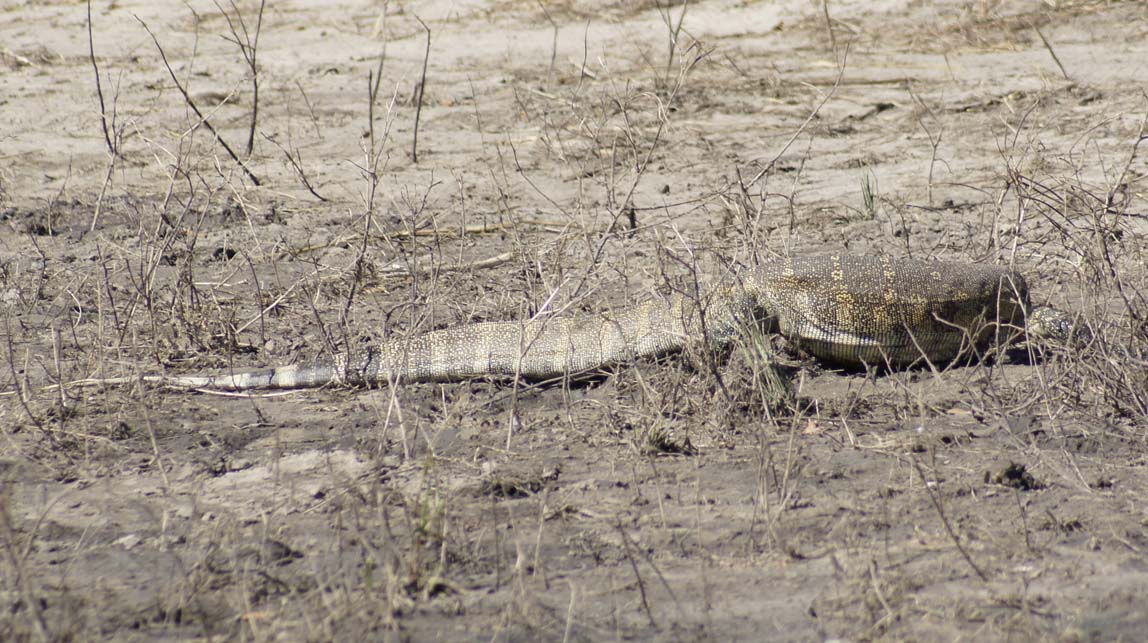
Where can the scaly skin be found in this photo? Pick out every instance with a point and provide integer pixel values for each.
(849, 310)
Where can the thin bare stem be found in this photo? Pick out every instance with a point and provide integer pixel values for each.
(422, 92)
(191, 103)
(1051, 52)
(829, 26)
(674, 31)
(249, 47)
(295, 158)
(833, 90)
(99, 88)
(933, 497)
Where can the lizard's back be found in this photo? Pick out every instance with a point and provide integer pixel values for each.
(854, 309)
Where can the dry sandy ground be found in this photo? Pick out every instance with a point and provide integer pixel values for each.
(572, 155)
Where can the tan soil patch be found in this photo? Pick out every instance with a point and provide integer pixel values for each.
(564, 155)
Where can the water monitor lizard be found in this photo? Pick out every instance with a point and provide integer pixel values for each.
(844, 309)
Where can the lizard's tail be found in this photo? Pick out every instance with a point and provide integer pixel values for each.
(536, 349)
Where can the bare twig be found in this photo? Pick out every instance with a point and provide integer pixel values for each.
(191, 103)
(674, 31)
(1052, 53)
(813, 114)
(583, 72)
(625, 206)
(249, 47)
(99, 89)
(17, 388)
(478, 264)
(372, 175)
(553, 43)
(16, 562)
(945, 521)
(829, 26)
(296, 161)
(111, 134)
(382, 60)
(627, 546)
(934, 141)
(1140, 138)
(422, 92)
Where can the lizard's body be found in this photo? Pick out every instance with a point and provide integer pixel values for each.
(845, 309)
